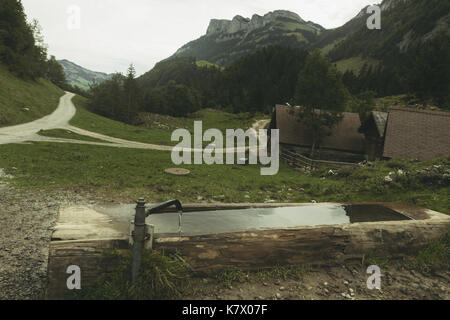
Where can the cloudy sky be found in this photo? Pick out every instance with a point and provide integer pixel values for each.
(114, 33)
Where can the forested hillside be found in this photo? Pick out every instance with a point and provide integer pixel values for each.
(29, 80)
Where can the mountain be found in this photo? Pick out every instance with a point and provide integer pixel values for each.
(405, 24)
(82, 77)
(228, 40)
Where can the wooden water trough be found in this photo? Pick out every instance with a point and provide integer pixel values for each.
(82, 235)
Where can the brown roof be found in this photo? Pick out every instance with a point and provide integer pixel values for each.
(417, 134)
(344, 137)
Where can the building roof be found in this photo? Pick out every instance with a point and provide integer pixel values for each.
(417, 134)
(344, 136)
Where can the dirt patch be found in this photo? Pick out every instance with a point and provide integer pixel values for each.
(338, 282)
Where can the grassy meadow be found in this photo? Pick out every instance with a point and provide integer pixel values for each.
(127, 174)
(25, 100)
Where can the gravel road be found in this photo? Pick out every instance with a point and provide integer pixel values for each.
(26, 221)
(60, 118)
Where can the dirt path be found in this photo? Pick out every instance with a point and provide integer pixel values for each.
(60, 118)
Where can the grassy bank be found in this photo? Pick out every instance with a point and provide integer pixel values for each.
(25, 100)
(156, 129)
(127, 174)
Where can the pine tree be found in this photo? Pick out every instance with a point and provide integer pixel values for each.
(131, 95)
(321, 96)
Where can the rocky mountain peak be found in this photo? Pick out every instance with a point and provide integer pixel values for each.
(240, 23)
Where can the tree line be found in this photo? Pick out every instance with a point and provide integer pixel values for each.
(22, 47)
(423, 70)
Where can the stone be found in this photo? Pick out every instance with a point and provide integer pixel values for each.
(177, 171)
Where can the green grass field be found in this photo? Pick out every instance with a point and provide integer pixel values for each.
(149, 133)
(25, 100)
(127, 174)
(355, 64)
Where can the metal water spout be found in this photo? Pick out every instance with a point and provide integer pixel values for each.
(139, 230)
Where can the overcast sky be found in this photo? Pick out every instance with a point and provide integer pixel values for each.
(115, 33)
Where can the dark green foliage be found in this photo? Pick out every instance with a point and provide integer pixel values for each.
(21, 47)
(131, 97)
(179, 86)
(119, 98)
(173, 99)
(417, 16)
(107, 98)
(321, 96)
(363, 104)
(254, 83)
(55, 73)
(429, 71)
(413, 57)
(422, 70)
(261, 80)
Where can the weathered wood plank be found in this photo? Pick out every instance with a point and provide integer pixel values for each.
(88, 255)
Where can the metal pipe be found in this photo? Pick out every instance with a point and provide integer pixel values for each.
(138, 238)
(139, 230)
(157, 208)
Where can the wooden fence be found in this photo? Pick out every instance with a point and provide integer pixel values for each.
(300, 161)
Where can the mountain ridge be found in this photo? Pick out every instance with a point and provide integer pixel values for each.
(405, 23)
(227, 40)
(81, 77)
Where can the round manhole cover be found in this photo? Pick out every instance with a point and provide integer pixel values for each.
(177, 171)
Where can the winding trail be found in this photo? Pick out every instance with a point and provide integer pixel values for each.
(59, 119)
